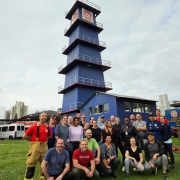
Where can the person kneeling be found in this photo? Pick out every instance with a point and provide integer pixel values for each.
(81, 159)
(109, 161)
(134, 157)
(56, 164)
(155, 156)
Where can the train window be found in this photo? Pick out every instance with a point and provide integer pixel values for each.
(90, 110)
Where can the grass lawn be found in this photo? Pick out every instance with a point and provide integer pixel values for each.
(13, 158)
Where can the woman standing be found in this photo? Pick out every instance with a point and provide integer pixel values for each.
(52, 126)
(62, 130)
(75, 133)
(134, 157)
(109, 130)
(166, 135)
(96, 132)
(91, 122)
(109, 161)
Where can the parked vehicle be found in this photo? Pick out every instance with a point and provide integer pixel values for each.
(175, 131)
(11, 131)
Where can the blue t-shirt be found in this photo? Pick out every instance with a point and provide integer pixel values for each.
(56, 161)
(52, 140)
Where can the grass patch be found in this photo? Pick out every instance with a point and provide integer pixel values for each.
(13, 163)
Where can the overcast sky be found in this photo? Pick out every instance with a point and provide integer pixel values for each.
(142, 39)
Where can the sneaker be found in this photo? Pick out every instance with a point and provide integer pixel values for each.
(134, 169)
(123, 168)
(154, 171)
(127, 175)
(165, 176)
(173, 167)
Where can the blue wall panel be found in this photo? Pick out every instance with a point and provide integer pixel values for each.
(100, 99)
(68, 98)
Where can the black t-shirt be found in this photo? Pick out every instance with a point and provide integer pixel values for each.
(96, 134)
(134, 154)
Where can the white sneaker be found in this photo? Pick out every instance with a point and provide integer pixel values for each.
(134, 169)
(123, 168)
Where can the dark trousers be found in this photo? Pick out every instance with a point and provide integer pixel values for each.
(168, 148)
(67, 176)
(75, 145)
(119, 145)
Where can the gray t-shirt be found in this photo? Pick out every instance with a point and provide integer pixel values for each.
(56, 161)
(153, 149)
(142, 134)
(62, 132)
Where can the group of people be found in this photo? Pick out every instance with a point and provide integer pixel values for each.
(78, 149)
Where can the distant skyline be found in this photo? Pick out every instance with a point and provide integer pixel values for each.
(142, 39)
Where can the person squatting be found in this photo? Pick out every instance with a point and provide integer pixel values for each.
(76, 149)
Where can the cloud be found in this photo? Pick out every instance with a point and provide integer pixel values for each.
(142, 39)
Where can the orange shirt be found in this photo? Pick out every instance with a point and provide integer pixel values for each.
(43, 132)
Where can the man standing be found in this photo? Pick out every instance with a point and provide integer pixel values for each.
(93, 145)
(70, 121)
(83, 121)
(81, 159)
(158, 114)
(155, 156)
(132, 118)
(56, 164)
(38, 134)
(112, 119)
(101, 124)
(140, 126)
(154, 127)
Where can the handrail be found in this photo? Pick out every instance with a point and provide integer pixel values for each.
(90, 4)
(92, 82)
(89, 59)
(93, 23)
(87, 39)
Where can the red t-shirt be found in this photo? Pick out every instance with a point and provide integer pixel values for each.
(83, 158)
(43, 132)
(166, 121)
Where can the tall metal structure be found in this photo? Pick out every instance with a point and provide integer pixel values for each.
(84, 69)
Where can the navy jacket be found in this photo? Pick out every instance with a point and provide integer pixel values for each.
(166, 132)
(154, 127)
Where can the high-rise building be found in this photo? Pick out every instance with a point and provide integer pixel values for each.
(18, 110)
(7, 114)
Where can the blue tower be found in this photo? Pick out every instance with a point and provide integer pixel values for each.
(84, 68)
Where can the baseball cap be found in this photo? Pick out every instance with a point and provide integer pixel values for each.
(102, 116)
(150, 133)
(151, 114)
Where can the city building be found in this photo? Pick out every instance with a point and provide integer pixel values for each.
(165, 104)
(7, 114)
(18, 110)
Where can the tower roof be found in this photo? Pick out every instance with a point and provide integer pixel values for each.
(85, 4)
